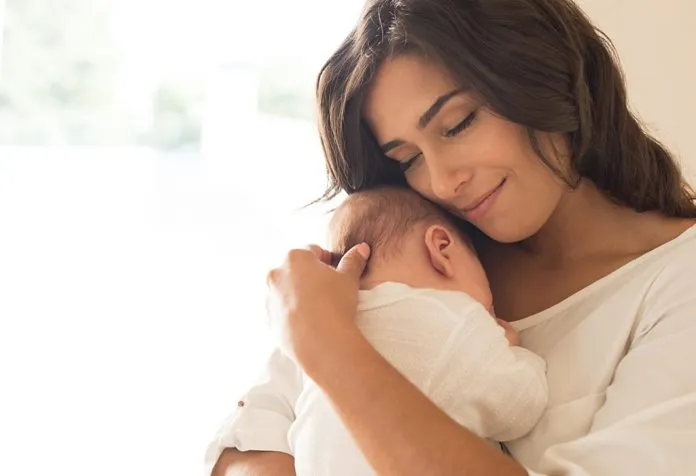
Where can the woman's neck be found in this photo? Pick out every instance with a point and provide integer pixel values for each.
(586, 224)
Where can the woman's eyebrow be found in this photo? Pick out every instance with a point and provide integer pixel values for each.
(426, 118)
(436, 107)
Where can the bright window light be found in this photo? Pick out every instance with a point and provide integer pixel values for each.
(155, 157)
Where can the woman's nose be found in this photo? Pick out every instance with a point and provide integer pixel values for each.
(446, 180)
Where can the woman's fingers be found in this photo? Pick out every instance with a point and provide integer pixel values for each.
(354, 261)
(323, 255)
(271, 276)
(316, 250)
(510, 333)
(309, 301)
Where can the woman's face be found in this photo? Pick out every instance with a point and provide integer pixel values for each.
(458, 153)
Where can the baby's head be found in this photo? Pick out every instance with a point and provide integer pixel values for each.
(412, 241)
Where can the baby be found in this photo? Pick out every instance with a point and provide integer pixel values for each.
(425, 305)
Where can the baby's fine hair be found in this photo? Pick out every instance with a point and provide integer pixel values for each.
(383, 216)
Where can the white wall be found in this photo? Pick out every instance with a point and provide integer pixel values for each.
(656, 41)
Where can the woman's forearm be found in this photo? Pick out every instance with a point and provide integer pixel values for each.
(253, 463)
(399, 430)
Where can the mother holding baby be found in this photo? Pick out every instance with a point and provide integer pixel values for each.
(512, 115)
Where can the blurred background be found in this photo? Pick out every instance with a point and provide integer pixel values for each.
(155, 157)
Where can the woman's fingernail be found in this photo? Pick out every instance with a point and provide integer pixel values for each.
(364, 250)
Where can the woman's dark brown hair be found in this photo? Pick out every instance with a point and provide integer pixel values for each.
(538, 63)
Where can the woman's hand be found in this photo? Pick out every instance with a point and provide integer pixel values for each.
(511, 333)
(311, 304)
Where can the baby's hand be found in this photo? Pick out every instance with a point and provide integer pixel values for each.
(510, 333)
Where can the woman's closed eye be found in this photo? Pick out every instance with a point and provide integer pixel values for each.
(448, 133)
(408, 163)
(461, 126)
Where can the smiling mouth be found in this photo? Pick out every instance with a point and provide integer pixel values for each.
(481, 200)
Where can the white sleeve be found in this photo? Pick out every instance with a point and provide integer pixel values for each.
(458, 356)
(496, 390)
(647, 424)
(263, 415)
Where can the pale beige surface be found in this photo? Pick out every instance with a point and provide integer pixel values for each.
(657, 46)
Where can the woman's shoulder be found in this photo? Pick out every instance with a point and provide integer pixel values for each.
(677, 257)
(670, 257)
(671, 290)
(659, 283)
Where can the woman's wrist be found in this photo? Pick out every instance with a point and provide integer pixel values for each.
(330, 351)
(398, 429)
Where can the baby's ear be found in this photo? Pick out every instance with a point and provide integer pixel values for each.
(439, 242)
(439, 238)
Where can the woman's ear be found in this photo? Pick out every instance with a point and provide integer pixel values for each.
(439, 243)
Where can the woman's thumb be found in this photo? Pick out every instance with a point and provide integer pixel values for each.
(354, 261)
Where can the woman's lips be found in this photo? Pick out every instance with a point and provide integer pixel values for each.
(483, 204)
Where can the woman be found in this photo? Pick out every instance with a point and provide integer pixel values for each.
(513, 115)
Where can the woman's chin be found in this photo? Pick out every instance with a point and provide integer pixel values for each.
(506, 233)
